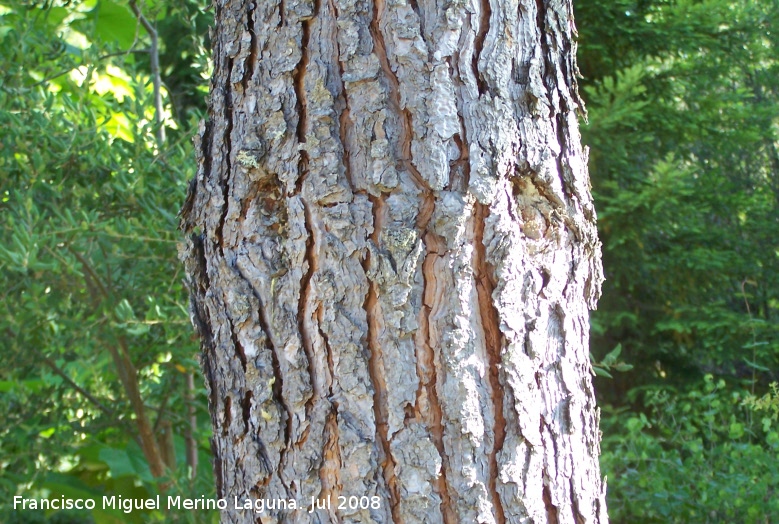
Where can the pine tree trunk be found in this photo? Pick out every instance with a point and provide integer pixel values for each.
(391, 253)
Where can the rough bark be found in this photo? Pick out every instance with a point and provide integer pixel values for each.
(391, 251)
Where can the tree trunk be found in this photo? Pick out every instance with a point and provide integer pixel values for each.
(391, 252)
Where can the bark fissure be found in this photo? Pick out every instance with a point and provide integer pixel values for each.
(311, 261)
(278, 383)
(251, 60)
(490, 321)
(225, 180)
(218, 468)
(551, 509)
(228, 415)
(301, 104)
(277, 386)
(376, 371)
(246, 411)
(237, 346)
(421, 17)
(344, 122)
(427, 355)
(484, 26)
(548, 74)
(376, 364)
(407, 131)
(330, 472)
(328, 354)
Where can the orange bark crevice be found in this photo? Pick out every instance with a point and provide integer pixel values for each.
(407, 131)
(376, 369)
(551, 509)
(427, 370)
(481, 35)
(344, 120)
(330, 471)
(304, 311)
(299, 84)
(490, 321)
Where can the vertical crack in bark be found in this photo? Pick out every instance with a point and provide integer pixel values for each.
(548, 74)
(478, 45)
(551, 509)
(330, 472)
(278, 394)
(304, 313)
(426, 354)
(578, 518)
(237, 346)
(278, 384)
(344, 121)
(228, 418)
(218, 468)
(246, 410)
(421, 16)
(376, 367)
(249, 66)
(225, 182)
(299, 83)
(328, 353)
(490, 321)
(407, 130)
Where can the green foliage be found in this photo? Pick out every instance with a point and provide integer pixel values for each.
(768, 402)
(696, 457)
(610, 362)
(685, 172)
(92, 294)
(682, 104)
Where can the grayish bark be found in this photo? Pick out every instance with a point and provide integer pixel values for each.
(391, 251)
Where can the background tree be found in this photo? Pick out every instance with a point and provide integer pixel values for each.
(392, 249)
(96, 390)
(683, 103)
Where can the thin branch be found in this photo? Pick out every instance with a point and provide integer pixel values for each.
(163, 405)
(99, 58)
(109, 235)
(81, 391)
(128, 376)
(154, 53)
(73, 385)
(88, 268)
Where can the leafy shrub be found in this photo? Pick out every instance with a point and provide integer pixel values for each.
(696, 456)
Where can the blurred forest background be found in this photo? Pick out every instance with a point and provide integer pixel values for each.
(100, 392)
